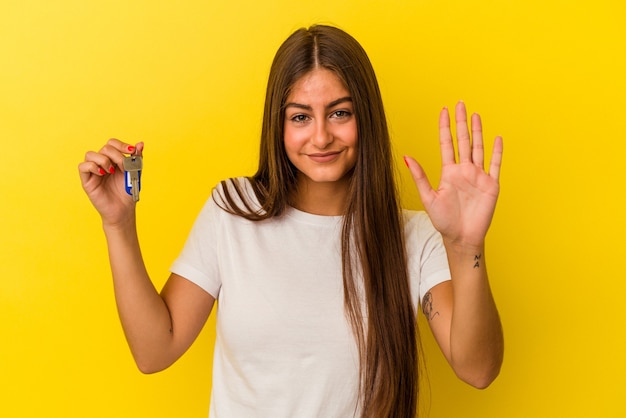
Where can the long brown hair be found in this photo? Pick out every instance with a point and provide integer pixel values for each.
(373, 251)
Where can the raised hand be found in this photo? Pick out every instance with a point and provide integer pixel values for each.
(102, 178)
(462, 207)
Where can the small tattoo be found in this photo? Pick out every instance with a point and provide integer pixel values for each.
(477, 260)
(427, 306)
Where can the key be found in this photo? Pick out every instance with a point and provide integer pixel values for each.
(132, 175)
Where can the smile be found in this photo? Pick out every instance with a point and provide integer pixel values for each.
(324, 157)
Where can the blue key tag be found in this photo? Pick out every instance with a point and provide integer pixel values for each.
(132, 175)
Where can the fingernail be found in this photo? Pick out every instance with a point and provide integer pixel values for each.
(101, 171)
(131, 148)
(406, 161)
(112, 170)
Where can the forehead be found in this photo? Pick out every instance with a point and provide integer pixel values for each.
(319, 84)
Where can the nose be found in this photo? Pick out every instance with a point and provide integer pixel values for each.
(321, 136)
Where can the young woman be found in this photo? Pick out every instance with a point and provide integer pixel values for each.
(317, 270)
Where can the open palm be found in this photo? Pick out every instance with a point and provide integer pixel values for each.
(462, 207)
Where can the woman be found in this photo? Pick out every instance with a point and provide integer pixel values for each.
(317, 270)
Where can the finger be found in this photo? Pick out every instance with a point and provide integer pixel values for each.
(424, 188)
(102, 161)
(122, 147)
(139, 149)
(88, 168)
(116, 150)
(478, 152)
(445, 138)
(496, 158)
(462, 133)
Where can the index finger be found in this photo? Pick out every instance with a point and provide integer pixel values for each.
(122, 147)
(445, 138)
(115, 150)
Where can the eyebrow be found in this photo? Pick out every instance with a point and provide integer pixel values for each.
(328, 106)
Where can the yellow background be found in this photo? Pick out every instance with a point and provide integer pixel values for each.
(188, 78)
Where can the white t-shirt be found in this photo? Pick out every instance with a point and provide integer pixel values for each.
(284, 347)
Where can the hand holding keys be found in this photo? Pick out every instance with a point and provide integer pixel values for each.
(132, 175)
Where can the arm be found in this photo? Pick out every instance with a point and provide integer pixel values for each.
(462, 313)
(464, 320)
(158, 327)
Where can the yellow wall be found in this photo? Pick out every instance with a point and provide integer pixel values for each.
(188, 78)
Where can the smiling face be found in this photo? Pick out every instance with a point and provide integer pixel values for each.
(320, 132)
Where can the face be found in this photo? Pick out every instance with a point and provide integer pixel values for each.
(320, 128)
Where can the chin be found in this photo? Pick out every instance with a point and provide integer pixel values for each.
(326, 178)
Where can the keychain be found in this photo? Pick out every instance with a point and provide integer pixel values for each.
(132, 175)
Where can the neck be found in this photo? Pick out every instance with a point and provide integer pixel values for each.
(327, 199)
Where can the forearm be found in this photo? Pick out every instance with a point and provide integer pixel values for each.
(476, 340)
(144, 315)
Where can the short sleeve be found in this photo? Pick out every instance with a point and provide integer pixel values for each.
(198, 260)
(426, 254)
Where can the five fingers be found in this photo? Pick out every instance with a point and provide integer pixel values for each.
(470, 146)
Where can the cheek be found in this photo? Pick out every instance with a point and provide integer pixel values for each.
(354, 145)
(350, 135)
(288, 139)
(291, 145)
(293, 139)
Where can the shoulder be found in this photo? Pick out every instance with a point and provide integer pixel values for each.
(233, 185)
(236, 191)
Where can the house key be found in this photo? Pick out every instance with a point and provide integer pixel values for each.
(132, 175)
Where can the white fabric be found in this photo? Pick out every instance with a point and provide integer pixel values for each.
(284, 347)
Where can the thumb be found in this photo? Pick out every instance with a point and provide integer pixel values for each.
(424, 188)
(139, 149)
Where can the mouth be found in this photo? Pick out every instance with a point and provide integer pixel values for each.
(324, 157)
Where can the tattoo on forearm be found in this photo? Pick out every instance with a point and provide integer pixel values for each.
(477, 260)
(427, 306)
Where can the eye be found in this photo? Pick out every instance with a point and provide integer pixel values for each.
(341, 114)
(299, 118)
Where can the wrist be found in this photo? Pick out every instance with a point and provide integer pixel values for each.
(465, 256)
(465, 253)
(463, 248)
(126, 224)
